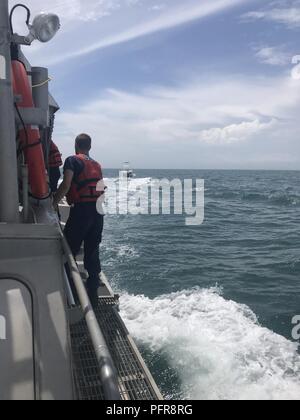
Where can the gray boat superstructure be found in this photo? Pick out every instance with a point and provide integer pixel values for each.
(50, 347)
(127, 172)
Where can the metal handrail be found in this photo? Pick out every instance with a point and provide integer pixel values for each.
(107, 369)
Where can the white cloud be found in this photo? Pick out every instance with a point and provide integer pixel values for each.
(236, 133)
(106, 23)
(158, 7)
(174, 17)
(202, 121)
(151, 125)
(76, 10)
(287, 14)
(274, 56)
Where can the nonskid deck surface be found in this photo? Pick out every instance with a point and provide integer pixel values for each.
(135, 380)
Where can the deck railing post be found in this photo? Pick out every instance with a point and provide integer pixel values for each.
(9, 203)
(107, 369)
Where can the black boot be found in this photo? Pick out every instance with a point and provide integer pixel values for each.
(92, 286)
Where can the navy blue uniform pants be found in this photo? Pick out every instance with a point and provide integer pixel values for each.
(54, 177)
(85, 226)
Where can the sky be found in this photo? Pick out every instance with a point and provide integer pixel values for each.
(185, 84)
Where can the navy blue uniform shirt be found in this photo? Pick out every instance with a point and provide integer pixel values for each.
(75, 165)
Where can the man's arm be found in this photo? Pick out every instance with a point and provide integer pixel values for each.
(64, 187)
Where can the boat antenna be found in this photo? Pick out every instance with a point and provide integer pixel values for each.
(12, 13)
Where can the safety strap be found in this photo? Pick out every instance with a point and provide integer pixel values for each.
(90, 197)
(94, 194)
(29, 146)
(85, 183)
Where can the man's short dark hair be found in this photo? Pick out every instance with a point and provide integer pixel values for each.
(83, 142)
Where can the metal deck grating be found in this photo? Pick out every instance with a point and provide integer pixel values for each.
(134, 383)
(86, 376)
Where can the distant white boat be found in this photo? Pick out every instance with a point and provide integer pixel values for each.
(127, 172)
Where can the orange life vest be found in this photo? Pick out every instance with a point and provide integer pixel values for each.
(84, 186)
(55, 160)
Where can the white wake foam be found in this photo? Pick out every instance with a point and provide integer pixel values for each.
(217, 346)
(128, 192)
(133, 183)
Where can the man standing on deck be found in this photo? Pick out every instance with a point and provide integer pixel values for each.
(85, 224)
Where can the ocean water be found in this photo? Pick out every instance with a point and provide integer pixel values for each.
(211, 306)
